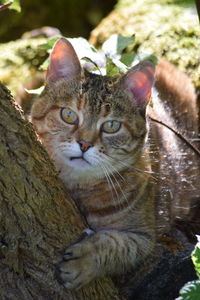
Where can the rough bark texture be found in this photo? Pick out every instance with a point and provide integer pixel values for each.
(37, 219)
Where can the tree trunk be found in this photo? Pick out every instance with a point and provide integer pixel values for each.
(37, 219)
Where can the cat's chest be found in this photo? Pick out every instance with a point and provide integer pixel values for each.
(92, 198)
(106, 206)
(99, 204)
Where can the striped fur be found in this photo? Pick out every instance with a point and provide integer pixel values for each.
(123, 186)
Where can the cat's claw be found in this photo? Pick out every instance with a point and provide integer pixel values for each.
(67, 256)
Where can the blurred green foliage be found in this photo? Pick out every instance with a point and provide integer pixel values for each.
(191, 290)
(71, 17)
(166, 28)
(13, 4)
(20, 61)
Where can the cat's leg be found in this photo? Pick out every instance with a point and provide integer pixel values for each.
(105, 252)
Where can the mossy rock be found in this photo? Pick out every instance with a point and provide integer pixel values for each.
(20, 61)
(167, 28)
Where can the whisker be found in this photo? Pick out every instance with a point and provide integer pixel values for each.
(132, 167)
(118, 173)
(112, 183)
(112, 174)
(117, 182)
(108, 180)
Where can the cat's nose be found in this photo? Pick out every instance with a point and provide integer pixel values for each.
(84, 145)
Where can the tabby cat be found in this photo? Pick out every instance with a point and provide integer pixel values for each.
(130, 177)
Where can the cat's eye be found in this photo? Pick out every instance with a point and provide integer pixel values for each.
(69, 116)
(111, 126)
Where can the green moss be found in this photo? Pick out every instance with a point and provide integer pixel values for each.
(19, 62)
(166, 28)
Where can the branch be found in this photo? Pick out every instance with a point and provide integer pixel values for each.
(198, 8)
(178, 134)
(5, 5)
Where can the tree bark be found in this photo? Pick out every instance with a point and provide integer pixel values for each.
(37, 219)
(198, 8)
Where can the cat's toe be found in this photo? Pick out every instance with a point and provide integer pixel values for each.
(68, 285)
(70, 256)
(78, 266)
(73, 252)
(71, 276)
(68, 275)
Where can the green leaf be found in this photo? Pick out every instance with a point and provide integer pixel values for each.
(111, 68)
(115, 67)
(15, 5)
(45, 64)
(151, 103)
(49, 44)
(116, 44)
(128, 59)
(190, 291)
(122, 67)
(152, 58)
(35, 91)
(11, 4)
(96, 67)
(196, 257)
(82, 48)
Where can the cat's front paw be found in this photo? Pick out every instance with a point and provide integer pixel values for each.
(79, 265)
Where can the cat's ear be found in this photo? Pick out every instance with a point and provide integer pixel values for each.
(64, 62)
(138, 83)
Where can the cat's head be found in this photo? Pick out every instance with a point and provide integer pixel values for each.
(91, 125)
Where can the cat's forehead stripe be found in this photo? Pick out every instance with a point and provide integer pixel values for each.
(105, 109)
(104, 101)
(80, 104)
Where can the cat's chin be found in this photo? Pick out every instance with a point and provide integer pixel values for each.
(79, 177)
(77, 170)
(79, 163)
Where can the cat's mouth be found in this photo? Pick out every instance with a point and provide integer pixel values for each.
(79, 158)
